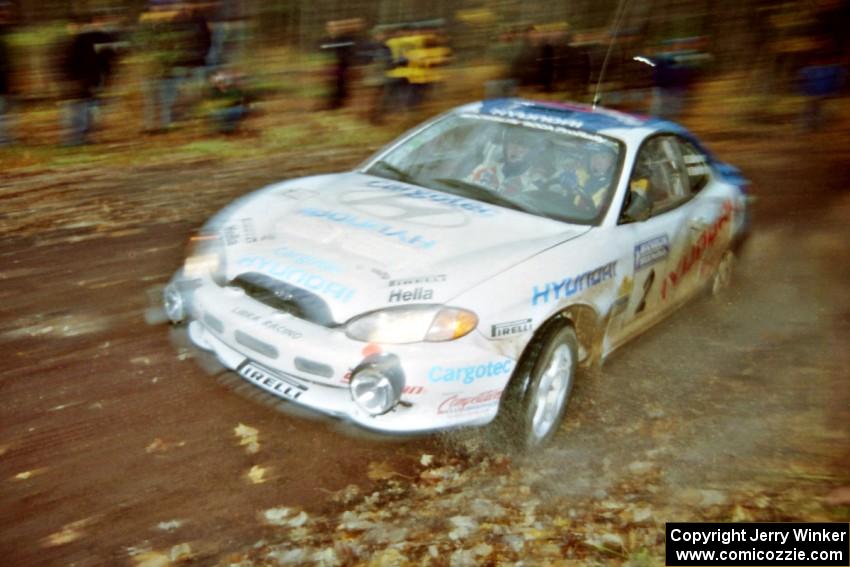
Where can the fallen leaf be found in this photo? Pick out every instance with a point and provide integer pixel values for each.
(347, 494)
(283, 516)
(299, 520)
(248, 437)
(641, 514)
(426, 460)
(381, 471)
(151, 559)
(463, 527)
(68, 533)
(326, 557)
(482, 550)
(740, 514)
(257, 474)
(277, 516)
(160, 446)
(170, 525)
(181, 552)
(29, 474)
(387, 558)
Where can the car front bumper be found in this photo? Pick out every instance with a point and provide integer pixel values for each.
(446, 384)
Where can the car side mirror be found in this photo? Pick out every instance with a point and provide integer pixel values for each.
(639, 207)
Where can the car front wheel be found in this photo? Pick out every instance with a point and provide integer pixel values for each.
(538, 395)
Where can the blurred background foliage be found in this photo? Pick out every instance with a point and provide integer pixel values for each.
(751, 52)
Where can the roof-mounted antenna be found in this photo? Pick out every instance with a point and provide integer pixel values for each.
(621, 10)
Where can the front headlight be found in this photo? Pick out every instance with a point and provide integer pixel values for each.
(205, 257)
(412, 324)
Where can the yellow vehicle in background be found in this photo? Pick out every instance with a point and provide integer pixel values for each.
(418, 57)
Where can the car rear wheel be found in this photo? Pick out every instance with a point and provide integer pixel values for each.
(539, 392)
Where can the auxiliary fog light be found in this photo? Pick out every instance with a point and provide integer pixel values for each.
(173, 303)
(376, 383)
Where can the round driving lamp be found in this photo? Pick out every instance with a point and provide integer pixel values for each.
(376, 384)
(172, 302)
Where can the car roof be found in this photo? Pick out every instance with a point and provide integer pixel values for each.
(571, 115)
(630, 128)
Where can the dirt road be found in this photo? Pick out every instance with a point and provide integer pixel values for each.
(120, 446)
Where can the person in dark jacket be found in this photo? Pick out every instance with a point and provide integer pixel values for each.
(342, 42)
(87, 66)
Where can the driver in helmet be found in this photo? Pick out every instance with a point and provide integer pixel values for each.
(599, 174)
(513, 168)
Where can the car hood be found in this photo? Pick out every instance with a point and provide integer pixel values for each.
(359, 243)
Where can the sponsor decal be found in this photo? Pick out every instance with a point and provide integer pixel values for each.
(402, 235)
(418, 280)
(696, 251)
(377, 203)
(281, 329)
(298, 276)
(458, 403)
(562, 114)
(248, 230)
(511, 328)
(242, 232)
(407, 390)
(651, 251)
(380, 273)
(570, 286)
(469, 374)
(231, 235)
(453, 201)
(251, 316)
(267, 381)
(302, 259)
(418, 294)
(543, 118)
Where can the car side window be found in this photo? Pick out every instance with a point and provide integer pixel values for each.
(696, 164)
(659, 174)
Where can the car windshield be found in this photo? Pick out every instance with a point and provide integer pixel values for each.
(558, 173)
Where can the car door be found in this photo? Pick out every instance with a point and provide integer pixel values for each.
(709, 227)
(650, 245)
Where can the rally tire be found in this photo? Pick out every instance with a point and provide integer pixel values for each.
(537, 397)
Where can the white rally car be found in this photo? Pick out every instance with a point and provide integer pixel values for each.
(465, 272)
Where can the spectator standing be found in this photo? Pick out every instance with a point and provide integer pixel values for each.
(178, 42)
(671, 80)
(342, 43)
(156, 38)
(505, 50)
(379, 60)
(819, 81)
(195, 40)
(87, 66)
